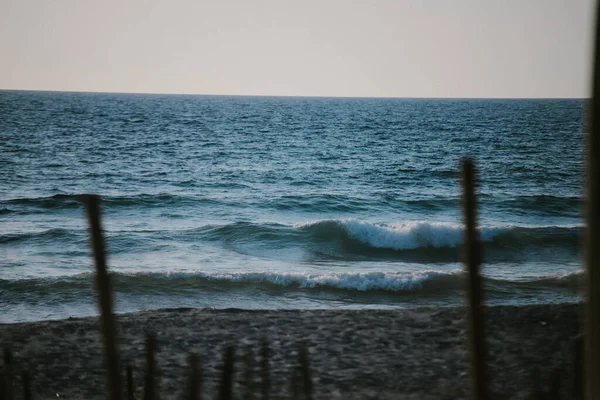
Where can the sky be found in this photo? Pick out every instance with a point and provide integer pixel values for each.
(368, 48)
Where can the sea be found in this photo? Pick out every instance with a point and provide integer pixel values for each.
(235, 202)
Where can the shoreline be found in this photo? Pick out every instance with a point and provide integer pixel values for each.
(354, 354)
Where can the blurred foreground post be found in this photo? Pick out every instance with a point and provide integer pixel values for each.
(592, 234)
(264, 370)
(107, 323)
(226, 387)
(8, 376)
(472, 259)
(149, 388)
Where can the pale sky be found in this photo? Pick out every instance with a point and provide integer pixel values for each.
(390, 48)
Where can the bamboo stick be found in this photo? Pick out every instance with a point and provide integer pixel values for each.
(264, 370)
(305, 369)
(592, 235)
(107, 323)
(26, 386)
(149, 387)
(195, 378)
(130, 388)
(475, 287)
(226, 388)
(8, 375)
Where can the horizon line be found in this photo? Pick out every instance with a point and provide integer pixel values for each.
(294, 96)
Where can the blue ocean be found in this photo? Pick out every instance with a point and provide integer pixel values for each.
(284, 203)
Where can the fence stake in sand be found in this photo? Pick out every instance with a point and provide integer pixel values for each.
(264, 370)
(195, 378)
(472, 256)
(8, 375)
(226, 388)
(305, 368)
(130, 388)
(149, 389)
(249, 375)
(26, 386)
(592, 249)
(107, 323)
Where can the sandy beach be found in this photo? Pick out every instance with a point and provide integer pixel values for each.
(365, 354)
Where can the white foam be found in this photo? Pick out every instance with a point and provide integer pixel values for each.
(361, 281)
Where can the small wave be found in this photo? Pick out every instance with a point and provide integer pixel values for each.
(40, 236)
(56, 201)
(546, 205)
(426, 282)
(65, 201)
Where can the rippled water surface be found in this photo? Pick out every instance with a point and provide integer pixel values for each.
(264, 202)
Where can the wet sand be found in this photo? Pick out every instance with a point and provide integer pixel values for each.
(367, 354)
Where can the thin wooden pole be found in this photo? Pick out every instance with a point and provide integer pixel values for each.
(195, 378)
(305, 369)
(26, 386)
(130, 388)
(249, 375)
(107, 323)
(149, 387)
(8, 373)
(592, 235)
(475, 287)
(226, 388)
(264, 370)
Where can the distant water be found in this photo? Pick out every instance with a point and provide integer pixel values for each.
(258, 202)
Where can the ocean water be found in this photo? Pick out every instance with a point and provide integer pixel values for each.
(266, 202)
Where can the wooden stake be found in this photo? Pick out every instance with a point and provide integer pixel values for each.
(264, 370)
(8, 375)
(26, 386)
(149, 387)
(130, 388)
(249, 376)
(107, 324)
(475, 287)
(305, 369)
(226, 389)
(195, 378)
(592, 234)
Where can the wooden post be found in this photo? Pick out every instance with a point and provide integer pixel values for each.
(26, 386)
(130, 388)
(592, 234)
(107, 323)
(226, 388)
(305, 369)
(195, 378)
(149, 387)
(264, 370)
(472, 260)
(8, 375)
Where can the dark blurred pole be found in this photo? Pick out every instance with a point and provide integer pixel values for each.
(130, 388)
(264, 370)
(107, 323)
(8, 375)
(149, 387)
(226, 388)
(26, 386)
(592, 239)
(306, 373)
(195, 378)
(475, 288)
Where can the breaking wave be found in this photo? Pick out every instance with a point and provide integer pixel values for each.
(427, 282)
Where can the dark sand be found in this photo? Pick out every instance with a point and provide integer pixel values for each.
(413, 354)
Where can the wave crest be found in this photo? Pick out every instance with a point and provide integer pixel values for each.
(423, 282)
